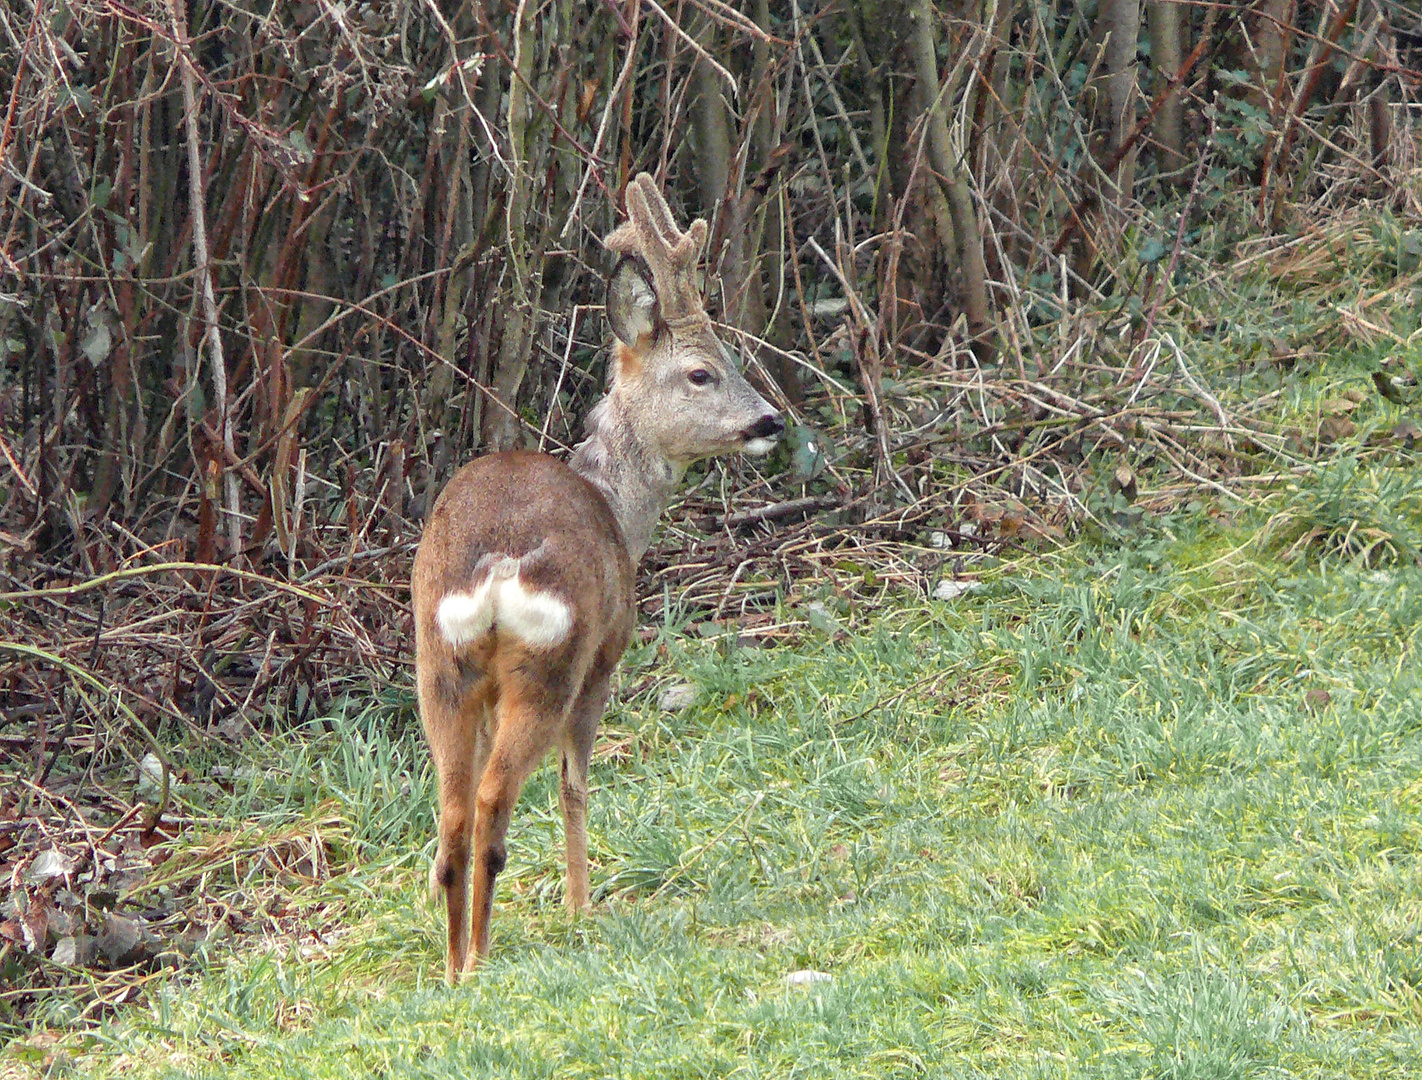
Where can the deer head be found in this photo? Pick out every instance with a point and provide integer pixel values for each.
(678, 386)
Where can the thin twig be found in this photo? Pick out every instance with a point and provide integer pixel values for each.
(211, 334)
(780, 511)
(696, 47)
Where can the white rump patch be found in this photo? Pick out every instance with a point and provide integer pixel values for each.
(465, 617)
(758, 447)
(539, 619)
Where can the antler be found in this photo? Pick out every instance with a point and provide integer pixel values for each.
(650, 233)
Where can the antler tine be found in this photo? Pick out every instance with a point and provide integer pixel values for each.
(638, 235)
(659, 215)
(671, 255)
(684, 248)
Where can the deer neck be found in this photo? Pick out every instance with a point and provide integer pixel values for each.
(636, 480)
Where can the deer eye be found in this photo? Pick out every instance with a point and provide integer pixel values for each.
(699, 377)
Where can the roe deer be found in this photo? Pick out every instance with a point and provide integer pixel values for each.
(523, 581)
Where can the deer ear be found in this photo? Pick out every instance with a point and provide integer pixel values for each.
(632, 306)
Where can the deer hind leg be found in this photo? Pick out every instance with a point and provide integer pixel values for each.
(458, 734)
(526, 724)
(573, 789)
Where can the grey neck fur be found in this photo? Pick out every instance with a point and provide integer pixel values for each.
(636, 481)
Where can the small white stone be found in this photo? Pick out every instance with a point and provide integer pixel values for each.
(677, 698)
(66, 952)
(948, 589)
(819, 616)
(226, 773)
(805, 977)
(150, 774)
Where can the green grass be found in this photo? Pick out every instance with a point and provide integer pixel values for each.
(1087, 821)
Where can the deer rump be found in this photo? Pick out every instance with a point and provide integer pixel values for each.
(538, 549)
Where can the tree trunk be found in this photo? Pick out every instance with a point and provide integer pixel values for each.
(712, 128)
(951, 176)
(766, 238)
(1167, 54)
(1119, 25)
(1270, 30)
(1379, 100)
(502, 430)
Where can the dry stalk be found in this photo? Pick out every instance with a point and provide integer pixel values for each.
(198, 200)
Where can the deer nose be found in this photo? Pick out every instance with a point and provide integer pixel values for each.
(768, 426)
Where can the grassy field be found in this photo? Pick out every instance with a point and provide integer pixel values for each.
(1145, 808)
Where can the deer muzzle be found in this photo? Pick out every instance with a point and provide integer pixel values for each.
(761, 435)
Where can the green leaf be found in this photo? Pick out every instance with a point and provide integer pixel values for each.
(301, 146)
(1152, 251)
